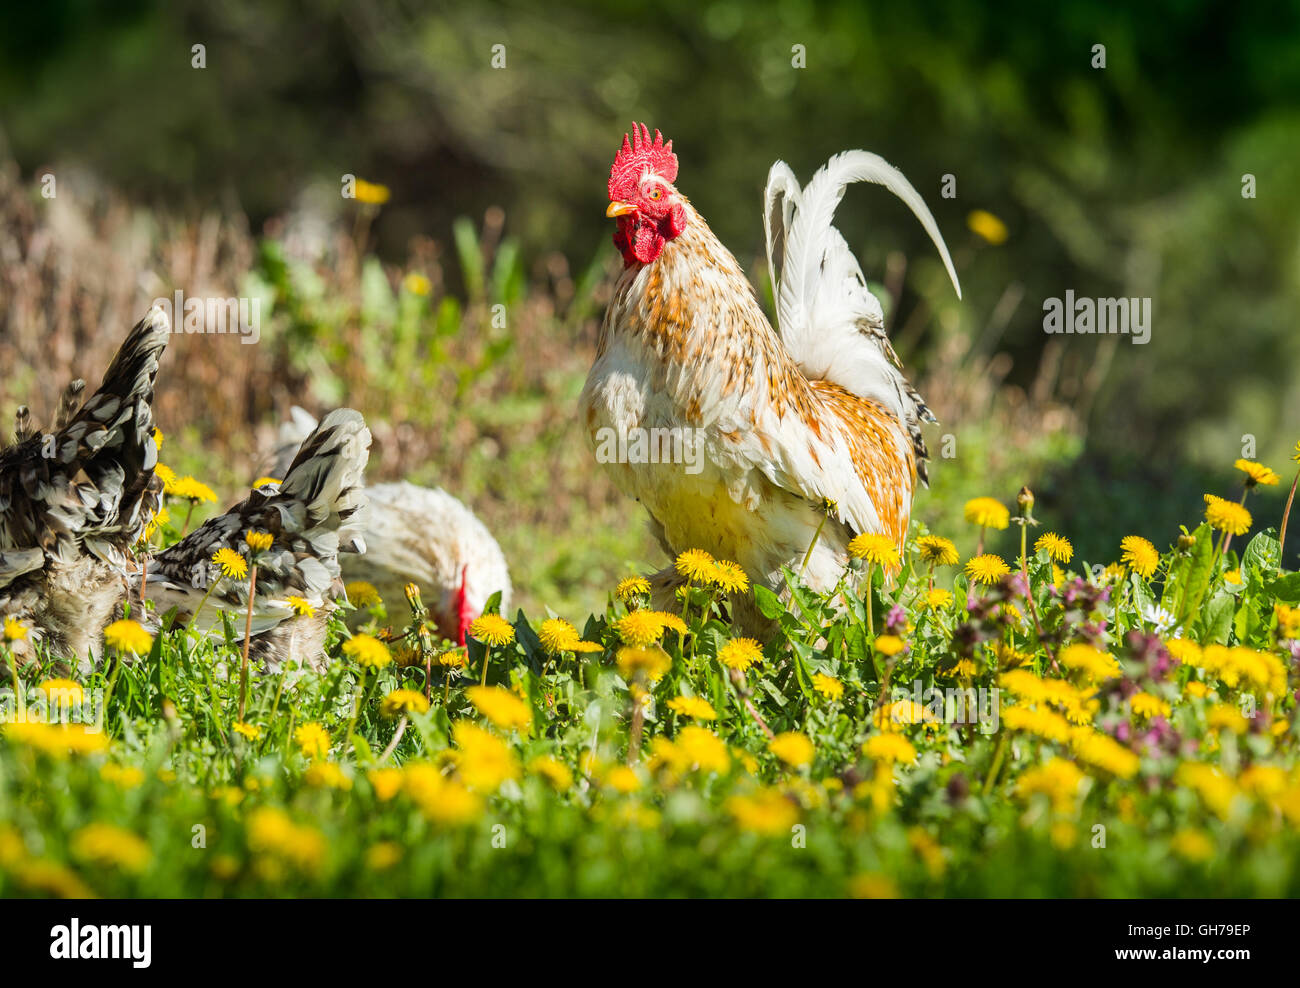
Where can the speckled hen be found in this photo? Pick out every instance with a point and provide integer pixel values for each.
(74, 500)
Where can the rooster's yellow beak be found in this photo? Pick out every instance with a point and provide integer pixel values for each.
(619, 208)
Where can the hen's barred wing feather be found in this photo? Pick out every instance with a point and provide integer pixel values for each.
(315, 514)
(831, 323)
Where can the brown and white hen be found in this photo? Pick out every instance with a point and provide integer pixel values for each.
(778, 428)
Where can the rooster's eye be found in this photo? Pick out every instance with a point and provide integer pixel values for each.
(656, 194)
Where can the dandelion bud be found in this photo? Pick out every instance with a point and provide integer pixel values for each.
(1185, 542)
(1025, 500)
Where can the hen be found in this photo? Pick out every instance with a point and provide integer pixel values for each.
(312, 516)
(74, 501)
(779, 429)
(419, 535)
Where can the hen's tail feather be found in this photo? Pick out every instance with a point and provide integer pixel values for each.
(829, 320)
(111, 435)
(69, 404)
(328, 473)
(313, 515)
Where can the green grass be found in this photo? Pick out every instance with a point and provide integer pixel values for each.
(171, 800)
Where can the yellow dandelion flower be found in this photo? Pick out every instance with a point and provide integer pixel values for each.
(386, 782)
(937, 599)
(301, 606)
(740, 653)
(258, 541)
(64, 689)
(640, 629)
(327, 775)
(14, 630)
(632, 588)
(1227, 516)
(878, 550)
(122, 776)
(128, 636)
(693, 706)
(1103, 752)
(1193, 845)
(367, 651)
(827, 686)
(383, 856)
(371, 193)
(362, 594)
(889, 645)
(1058, 779)
(767, 812)
(486, 761)
(1288, 621)
(652, 662)
(1091, 661)
(312, 740)
(492, 629)
(987, 227)
(623, 779)
(190, 489)
(1184, 651)
(793, 748)
(500, 706)
(1257, 473)
(1139, 555)
(1058, 549)
(398, 703)
(937, 551)
(108, 846)
(986, 569)
(1040, 722)
(417, 284)
(250, 731)
(729, 577)
(696, 565)
(557, 636)
(1145, 705)
(554, 771)
(232, 564)
(987, 512)
(889, 747)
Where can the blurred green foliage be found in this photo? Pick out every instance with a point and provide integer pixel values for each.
(1122, 180)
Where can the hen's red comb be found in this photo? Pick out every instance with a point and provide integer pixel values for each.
(638, 155)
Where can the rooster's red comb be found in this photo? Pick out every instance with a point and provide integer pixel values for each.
(640, 154)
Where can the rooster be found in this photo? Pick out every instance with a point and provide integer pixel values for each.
(312, 516)
(785, 428)
(418, 535)
(75, 500)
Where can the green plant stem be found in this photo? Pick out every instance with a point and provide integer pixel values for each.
(812, 545)
(871, 625)
(998, 753)
(1286, 516)
(208, 593)
(248, 635)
